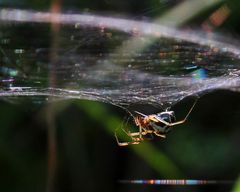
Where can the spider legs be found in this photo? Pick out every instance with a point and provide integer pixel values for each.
(136, 137)
(186, 117)
(125, 143)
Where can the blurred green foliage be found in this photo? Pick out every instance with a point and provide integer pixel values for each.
(237, 186)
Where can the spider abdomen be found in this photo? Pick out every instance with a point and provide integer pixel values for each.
(163, 125)
(160, 127)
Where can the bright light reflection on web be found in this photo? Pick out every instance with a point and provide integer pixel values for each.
(94, 60)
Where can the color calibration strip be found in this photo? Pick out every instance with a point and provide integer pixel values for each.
(174, 182)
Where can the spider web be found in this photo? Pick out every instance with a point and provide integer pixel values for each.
(117, 61)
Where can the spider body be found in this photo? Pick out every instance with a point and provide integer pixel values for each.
(158, 124)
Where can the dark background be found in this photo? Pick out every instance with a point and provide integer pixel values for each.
(81, 153)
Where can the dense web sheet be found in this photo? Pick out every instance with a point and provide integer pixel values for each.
(112, 60)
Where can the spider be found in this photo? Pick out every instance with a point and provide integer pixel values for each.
(158, 124)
